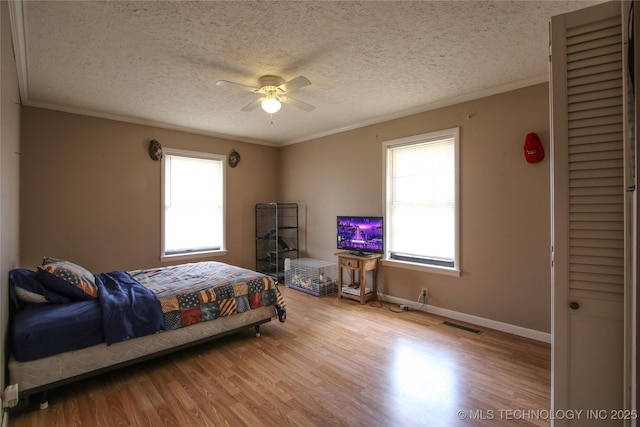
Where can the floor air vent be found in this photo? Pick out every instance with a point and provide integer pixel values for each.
(464, 328)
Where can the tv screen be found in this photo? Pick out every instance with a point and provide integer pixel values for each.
(361, 234)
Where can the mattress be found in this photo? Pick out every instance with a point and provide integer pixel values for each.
(40, 331)
(188, 294)
(65, 366)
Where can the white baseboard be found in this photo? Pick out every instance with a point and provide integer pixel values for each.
(480, 321)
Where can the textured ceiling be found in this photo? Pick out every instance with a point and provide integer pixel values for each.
(158, 62)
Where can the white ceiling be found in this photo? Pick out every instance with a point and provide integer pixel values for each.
(158, 62)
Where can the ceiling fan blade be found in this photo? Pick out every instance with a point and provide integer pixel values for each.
(295, 84)
(253, 105)
(298, 104)
(236, 85)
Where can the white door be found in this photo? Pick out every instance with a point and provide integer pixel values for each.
(588, 216)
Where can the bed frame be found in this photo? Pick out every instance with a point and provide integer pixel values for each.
(39, 376)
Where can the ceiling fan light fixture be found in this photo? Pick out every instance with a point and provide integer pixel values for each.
(271, 105)
(273, 91)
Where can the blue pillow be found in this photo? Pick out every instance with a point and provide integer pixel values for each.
(60, 286)
(28, 289)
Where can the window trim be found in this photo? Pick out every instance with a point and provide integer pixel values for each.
(386, 188)
(195, 254)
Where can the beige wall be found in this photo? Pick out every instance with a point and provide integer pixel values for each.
(9, 167)
(505, 210)
(91, 194)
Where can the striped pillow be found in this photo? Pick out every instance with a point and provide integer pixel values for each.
(73, 274)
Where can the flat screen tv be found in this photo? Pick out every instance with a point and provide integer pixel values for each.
(361, 235)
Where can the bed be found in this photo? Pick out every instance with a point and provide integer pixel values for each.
(66, 324)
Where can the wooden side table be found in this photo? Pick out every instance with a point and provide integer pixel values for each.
(361, 264)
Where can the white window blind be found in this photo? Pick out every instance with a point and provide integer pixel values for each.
(193, 203)
(422, 198)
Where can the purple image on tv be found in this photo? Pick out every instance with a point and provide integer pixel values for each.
(361, 234)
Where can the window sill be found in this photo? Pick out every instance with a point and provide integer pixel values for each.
(192, 255)
(447, 271)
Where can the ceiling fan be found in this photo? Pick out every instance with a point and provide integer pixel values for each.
(274, 91)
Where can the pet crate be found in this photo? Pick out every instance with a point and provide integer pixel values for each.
(276, 237)
(312, 276)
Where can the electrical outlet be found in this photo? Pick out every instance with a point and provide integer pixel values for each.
(10, 396)
(404, 307)
(425, 292)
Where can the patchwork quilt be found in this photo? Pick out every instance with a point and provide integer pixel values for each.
(198, 292)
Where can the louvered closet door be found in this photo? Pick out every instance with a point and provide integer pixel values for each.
(588, 212)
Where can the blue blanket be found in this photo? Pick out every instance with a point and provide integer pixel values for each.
(129, 310)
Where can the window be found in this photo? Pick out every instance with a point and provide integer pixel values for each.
(422, 200)
(192, 203)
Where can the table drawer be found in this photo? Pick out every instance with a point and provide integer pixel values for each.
(350, 263)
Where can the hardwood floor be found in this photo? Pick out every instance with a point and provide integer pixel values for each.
(333, 363)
